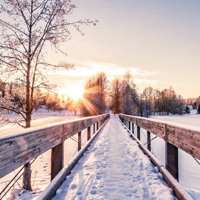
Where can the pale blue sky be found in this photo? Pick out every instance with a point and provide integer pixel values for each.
(158, 37)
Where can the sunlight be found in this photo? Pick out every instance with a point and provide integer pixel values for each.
(74, 92)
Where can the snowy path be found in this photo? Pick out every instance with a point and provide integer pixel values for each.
(114, 168)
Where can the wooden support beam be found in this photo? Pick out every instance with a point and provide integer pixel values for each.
(88, 133)
(172, 160)
(133, 128)
(94, 129)
(97, 125)
(129, 125)
(138, 132)
(79, 141)
(27, 177)
(148, 140)
(57, 159)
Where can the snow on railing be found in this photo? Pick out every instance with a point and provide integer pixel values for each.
(20, 149)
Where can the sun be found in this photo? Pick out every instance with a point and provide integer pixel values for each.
(75, 92)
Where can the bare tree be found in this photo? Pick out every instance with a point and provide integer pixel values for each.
(148, 100)
(94, 101)
(27, 29)
(116, 96)
(129, 96)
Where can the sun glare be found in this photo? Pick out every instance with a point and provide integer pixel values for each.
(75, 93)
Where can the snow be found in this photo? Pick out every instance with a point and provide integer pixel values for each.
(39, 118)
(189, 121)
(114, 168)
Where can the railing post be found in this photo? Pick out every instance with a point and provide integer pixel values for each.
(129, 125)
(94, 128)
(172, 159)
(149, 140)
(57, 159)
(133, 127)
(97, 125)
(88, 133)
(138, 132)
(79, 141)
(27, 177)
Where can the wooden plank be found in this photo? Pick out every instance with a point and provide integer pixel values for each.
(79, 141)
(57, 159)
(21, 148)
(148, 140)
(97, 125)
(88, 133)
(133, 128)
(94, 130)
(138, 132)
(172, 159)
(183, 138)
(129, 125)
(27, 177)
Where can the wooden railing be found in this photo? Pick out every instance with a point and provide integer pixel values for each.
(21, 149)
(176, 137)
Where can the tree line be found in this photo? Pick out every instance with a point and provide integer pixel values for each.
(121, 96)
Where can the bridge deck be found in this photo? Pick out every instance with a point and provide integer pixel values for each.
(114, 168)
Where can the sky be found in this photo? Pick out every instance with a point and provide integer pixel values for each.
(158, 41)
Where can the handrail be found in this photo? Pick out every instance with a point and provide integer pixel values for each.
(187, 139)
(19, 149)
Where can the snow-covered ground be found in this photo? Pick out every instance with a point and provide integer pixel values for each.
(114, 168)
(39, 118)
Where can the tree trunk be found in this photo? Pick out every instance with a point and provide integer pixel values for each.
(28, 120)
(27, 167)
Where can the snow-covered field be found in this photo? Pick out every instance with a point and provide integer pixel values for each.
(114, 168)
(40, 118)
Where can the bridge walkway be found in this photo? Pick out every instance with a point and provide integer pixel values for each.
(114, 168)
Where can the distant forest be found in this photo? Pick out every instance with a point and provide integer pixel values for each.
(101, 95)
(121, 96)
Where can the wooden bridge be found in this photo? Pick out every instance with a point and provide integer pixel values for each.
(20, 149)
